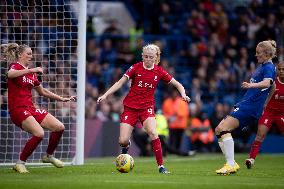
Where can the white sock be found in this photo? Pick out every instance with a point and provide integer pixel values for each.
(221, 144)
(160, 166)
(229, 150)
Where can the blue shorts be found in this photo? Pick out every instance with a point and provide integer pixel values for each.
(244, 115)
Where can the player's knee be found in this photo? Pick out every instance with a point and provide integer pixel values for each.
(152, 134)
(60, 127)
(39, 134)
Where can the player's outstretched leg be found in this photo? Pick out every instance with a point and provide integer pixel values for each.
(227, 146)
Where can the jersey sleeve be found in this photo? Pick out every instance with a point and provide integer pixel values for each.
(269, 72)
(14, 66)
(166, 77)
(131, 71)
(36, 82)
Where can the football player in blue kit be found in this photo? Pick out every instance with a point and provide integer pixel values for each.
(250, 108)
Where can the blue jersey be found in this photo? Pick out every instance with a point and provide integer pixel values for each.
(254, 99)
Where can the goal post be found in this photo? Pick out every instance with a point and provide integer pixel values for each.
(55, 30)
(80, 129)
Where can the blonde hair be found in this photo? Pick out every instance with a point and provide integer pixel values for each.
(12, 51)
(269, 48)
(156, 48)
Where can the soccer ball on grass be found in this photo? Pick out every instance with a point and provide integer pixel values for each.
(124, 163)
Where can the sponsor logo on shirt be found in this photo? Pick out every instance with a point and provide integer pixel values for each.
(27, 80)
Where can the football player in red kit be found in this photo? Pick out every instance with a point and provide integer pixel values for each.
(273, 114)
(139, 102)
(23, 113)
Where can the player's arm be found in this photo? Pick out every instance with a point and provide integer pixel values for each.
(113, 88)
(48, 94)
(181, 89)
(265, 83)
(17, 73)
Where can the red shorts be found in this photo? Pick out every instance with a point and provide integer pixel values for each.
(19, 114)
(269, 118)
(131, 116)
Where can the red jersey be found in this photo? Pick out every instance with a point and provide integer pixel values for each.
(19, 88)
(276, 103)
(143, 85)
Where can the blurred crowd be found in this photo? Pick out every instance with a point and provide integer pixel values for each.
(207, 45)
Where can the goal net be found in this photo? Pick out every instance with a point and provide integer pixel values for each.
(50, 28)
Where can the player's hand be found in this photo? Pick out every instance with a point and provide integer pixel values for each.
(38, 70)
(186, 99)
(101, 98)
(71, 98)
(246, 85)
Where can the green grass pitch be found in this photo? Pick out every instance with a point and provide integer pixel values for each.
(186, 172)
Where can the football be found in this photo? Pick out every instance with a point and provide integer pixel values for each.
(124, 163)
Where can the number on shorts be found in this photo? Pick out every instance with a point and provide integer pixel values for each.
(150, 110)
(236, 109)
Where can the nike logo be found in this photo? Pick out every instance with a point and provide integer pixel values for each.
(139, 75)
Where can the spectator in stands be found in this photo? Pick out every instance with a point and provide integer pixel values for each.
(202, 135)
(113, 28)
(177, 112)
(163, 132)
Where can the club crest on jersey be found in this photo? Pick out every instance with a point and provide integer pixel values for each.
(155, 78)
(27, 80)
(252, 80)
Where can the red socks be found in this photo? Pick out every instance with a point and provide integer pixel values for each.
(254, 149)
(157, 149)
(53, 141)
(33, 142)
(30, 146)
